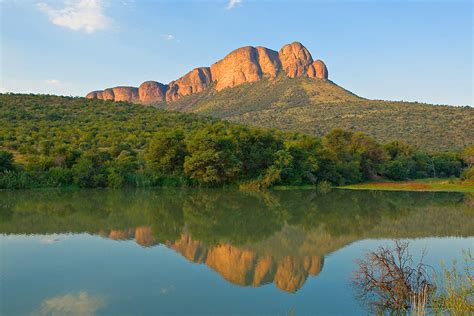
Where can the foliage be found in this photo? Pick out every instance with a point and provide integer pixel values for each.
(51, 141)
(6, 161)
(316, 107)
(468, 174)
(455, 294)
(468, 155)
(212, 156)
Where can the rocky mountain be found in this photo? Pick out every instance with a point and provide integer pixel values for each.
(243, 65)
(315, 107)
(289, 90)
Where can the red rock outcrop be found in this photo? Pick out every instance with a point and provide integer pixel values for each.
(152, 92)
(269, 61)
(108, 94)
(318, 70)
(243, 65)
(240, 66)
(194, 81)
(94, 95)
(127, 94)
(295, 59)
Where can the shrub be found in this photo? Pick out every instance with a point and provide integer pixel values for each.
(468, 174)
(6, 161)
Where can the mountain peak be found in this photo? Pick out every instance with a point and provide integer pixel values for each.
(243, 65)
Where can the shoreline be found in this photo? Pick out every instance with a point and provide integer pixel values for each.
(419, 185)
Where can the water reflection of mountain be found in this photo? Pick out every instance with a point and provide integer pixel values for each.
(249, 239)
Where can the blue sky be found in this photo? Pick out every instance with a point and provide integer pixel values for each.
(393, 50)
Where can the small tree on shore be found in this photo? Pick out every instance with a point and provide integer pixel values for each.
(388, 279)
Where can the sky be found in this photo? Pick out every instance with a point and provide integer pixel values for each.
(378, 49)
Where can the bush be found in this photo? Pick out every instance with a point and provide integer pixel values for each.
(15, 180)
(93, 143)
(6, 161)
(58, 176)
(468, 174)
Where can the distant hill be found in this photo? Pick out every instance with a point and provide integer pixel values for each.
(289, 90)
(316, 107)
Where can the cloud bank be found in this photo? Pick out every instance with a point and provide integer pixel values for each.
(82, 15)
(232, 4)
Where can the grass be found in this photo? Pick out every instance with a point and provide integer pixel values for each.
(436, 185)
(456, 293)
(315, 107)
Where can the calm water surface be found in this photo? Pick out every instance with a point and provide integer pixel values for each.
(210, 252)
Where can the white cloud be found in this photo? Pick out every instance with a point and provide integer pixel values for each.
(169, 37)
(80, 15)
(53, 82)
(233, 3)
(80, 303)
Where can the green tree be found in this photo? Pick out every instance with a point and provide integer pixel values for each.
(6, 161)
(255, 149)
(468, 156)
(167, 150)
(398, 148)
(304, 162)
(212, 159)
(401, 168)
(370, 154)
(89, 170)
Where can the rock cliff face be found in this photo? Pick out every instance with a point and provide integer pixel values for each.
(268, 61)
(128, 94)
(194, 81)
(295, 59)
(152, 92)
(243, 65)
(318, 70)
(238, 67)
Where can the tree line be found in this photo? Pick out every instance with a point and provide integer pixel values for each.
(51, 141)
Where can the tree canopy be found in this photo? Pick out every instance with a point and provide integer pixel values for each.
(50, 141)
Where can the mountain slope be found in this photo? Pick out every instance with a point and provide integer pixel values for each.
(289, 90)
(316, 107)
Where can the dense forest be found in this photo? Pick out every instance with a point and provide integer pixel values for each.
(51, 141)
(316, 107)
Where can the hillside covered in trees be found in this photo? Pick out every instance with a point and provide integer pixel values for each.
(316, 107)
(50, 141)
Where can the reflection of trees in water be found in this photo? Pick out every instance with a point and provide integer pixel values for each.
(217, 215)
(249, 238)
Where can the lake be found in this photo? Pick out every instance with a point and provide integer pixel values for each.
(211, 252)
